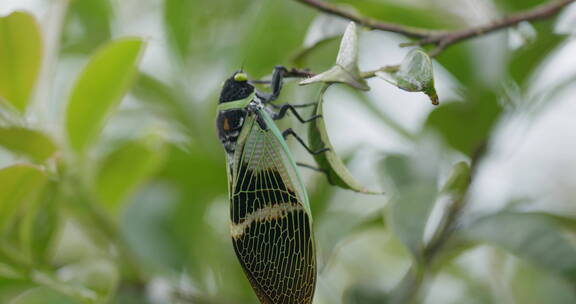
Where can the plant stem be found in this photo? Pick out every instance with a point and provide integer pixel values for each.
(443, 39)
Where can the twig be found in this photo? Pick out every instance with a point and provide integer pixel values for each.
(443, 39)
(369, 22)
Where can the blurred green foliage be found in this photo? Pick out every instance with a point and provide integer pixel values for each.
(113, 184)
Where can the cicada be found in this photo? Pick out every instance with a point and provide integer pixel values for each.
(270, 218)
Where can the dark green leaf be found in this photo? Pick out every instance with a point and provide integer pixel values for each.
(88, 25)
(466, 125)
(100, 88)
(31, 143)
(365, 294)
(328, 161)
(20, 59)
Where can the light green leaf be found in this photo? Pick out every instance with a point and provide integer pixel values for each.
(328, 161)
(533, 237)
(126, 168)
(20, 185)
(30, 143)
(346, 68)
(100, 88)
(413, 193)
(20, 58)
(414, 75)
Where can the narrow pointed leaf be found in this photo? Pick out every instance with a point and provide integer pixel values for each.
(27, 142)
(415, 75)
(100, 88)
(346, 68)
(329, 161)
(20, 58)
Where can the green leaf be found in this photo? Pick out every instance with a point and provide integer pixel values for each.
(100, 88)
(414, 75)
(328, 161)
(411, 181)
(126, 168)
(20, 58)
(179, 24)
(20, 185)
(466, 126)
(43, 295)
(346, 68)
(30, 143)
(533, 237)
(88, 25)
(44, 221)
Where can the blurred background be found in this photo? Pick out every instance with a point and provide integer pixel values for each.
(140, 214)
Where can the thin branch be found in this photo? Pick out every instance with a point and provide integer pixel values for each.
(538, 13)
(443, 39)
(368, 22)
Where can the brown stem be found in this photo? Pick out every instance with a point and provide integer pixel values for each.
(368, 22)
(443, 39)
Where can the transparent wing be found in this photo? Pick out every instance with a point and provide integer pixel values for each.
(271, 227)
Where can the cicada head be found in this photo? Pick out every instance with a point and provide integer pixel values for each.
(236, 87)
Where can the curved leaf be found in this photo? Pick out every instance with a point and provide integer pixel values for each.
(346, 68)
(30, 143)
(328, 161)
(100, 88)
(414, 75)
(20, 58)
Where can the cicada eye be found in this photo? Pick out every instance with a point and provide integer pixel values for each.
(240, 77)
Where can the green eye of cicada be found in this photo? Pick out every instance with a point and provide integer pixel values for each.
(241, 77)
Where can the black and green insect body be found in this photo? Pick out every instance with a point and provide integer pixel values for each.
(271, 224)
